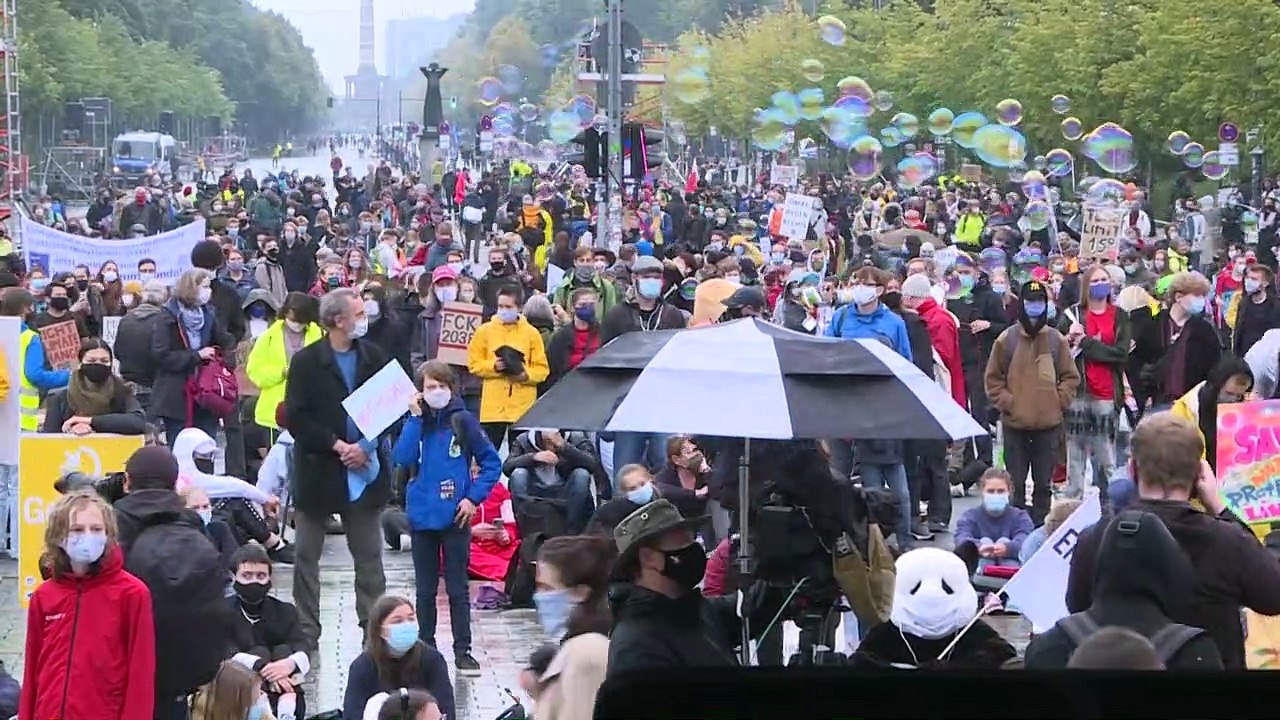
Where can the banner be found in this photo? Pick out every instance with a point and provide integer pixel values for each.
(458, 324)
(380, 401)
(1039, 589)
(1249, 460)
(44, 459)
(56, 252)
(10, 328)
(61, 343)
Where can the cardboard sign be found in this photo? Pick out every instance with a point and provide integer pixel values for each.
(380, 401)
(1100, 233)
(61, 343)
(971, 173)
(44, 458)
(785, 175)
(458, 324)
(1039, 589)
(797, 213)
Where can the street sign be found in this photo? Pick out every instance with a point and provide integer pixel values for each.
(486, 141)
(1229, 153)
(1228, 132)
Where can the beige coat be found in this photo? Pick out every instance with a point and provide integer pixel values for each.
(575, 674)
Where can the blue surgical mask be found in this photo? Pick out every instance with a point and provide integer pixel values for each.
(401, 637)
(999, 288)
(649, 288)
(1034, 309)
(642, 495)
(508, 316)
(966, 282)
(586, 313)
(554, 607)
(1100, 291)
(1252, 286)
(1194, 304)
(995, 503)
(254, 713)
(85, 548)
(206, 516)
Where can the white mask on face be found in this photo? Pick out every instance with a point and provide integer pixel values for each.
(371, 309)
(362, 327)
(921, 605)
(203, 295)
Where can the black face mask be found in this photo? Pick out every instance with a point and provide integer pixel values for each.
(686, 566)
(60, 303)
(892, 300)
(204, 465)
(273, 253)
(252, 593)
(498, 267)
(95, 373)
(82, 284)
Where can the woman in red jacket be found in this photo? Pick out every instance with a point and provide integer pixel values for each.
(90, 650)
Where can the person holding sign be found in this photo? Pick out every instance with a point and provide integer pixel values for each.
(36, 375)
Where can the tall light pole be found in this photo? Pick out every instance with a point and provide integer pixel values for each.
(432, 116)
(605, 224)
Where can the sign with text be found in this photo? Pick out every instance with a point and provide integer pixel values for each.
(1100, 233)
(785, 175)
(61, 343)
(458, 324)
(110, 327)
(57, 251)
(380, 401)
(45, 457)
(797, 212)
(1039, 589)
(970, 172)
(1249, 460)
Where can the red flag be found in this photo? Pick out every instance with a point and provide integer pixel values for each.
(691, 182)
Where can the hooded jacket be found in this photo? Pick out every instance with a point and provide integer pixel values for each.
(653, 631)
(133, 344)
(268, 368)
(502, 398)
(1035, 386)
(100, 627)
(444, 465)
(194, 440)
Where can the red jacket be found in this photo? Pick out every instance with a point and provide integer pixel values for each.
(945, 335)
(90, 651)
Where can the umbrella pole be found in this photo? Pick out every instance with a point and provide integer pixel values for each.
(745, 566)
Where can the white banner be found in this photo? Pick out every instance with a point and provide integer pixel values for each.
(56, 252)
(1039, 589)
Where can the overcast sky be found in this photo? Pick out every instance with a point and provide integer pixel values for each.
(332, 27)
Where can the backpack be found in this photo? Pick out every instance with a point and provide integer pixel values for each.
(1168, 640)
(185, 575)
(1014, 337)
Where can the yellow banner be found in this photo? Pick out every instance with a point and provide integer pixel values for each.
(45, 458)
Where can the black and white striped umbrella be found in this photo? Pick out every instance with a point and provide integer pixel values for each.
(751, 379)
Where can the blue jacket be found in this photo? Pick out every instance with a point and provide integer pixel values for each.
(33, 366)
(1012, 526)
(880, 324)
(429, 442)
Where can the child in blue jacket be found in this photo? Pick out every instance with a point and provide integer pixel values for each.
(443, 439)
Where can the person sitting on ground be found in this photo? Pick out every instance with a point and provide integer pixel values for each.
(234, 692)
(95, 400)
(394, 657)
(495, 537)
(404, 704)
(1059, 511)
(552, 465)
(685, 479)
(1142, 578)
(933, 602)
(216, 530)
(265, 636)
(992, 533)
(636, 489)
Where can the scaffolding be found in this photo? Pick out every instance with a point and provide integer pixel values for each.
(73, 172)
(13, 165)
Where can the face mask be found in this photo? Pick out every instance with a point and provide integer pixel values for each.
(649, 288)
(586, 313)
(735, 279)
(1058, 268)
(39, 283)
(401, 637)
(508, 315)
(366, 226)
(995, 503)
(966, 282)
(251, 593)
(863, 294)
(1193, 304)
(204, 464)
(844, 296)
(206, 516)
(446, 293)
(255, 712)
(110, 276)
(686, 565)
(1100, 291)
(554, 607)
(1252, 286)
(457, 267)
(85, 548)
(356, 263)
(584, 273)
(999, 288)
(59, 303)
(203, 295)
(497, 266)
(127, 299)
(362, 327)
(642, 495)
(436, 399)
(1034, 309)
(1159, 264)
(739, 250)
(82, 285)
(233, 232)
(1130, 269)
(371, 309)
(95, 373)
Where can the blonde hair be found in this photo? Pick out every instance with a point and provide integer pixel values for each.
(1058, 514)
(58, 526)
(1188, 283)
(1132, 298)
(187, 288)
(191, 489)
(228, 696)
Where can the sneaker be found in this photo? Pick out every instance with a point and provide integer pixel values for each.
(466, 664)
(957, 491)
(920, 531)
(283, 554)
(937, 526)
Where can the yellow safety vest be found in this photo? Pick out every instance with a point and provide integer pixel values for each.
(29, 399)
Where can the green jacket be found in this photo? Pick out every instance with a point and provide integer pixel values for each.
(564, 292)
(265, 214)
(1094, 350)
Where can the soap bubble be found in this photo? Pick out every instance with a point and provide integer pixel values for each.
(907, 124)
(787, 103)
(699, 57)
(890, 137)
(1072, 128)
(1038, 214)
(511, 77)
(1017, 169)
(940, 121)
(832, 30)
(1213, 167)
(1106, 192)
(488, 91)
(1112, 147)
(1009, 112)
(528, 112)
(770, 130)
(964, 126)
(1178, 142)
(917, 169)
(691, 86)
(584, 107)
(841, 127)
(999, 145)
(864, 157)
(1059, 162)
(807, 147)
(811, 103)
(1040, 162)
(813, 70)
(1193, 155)
(563, 126)
(854, 106)
(600, 122)
(883, 101)
(854, 86)
(1034, 185)
(1061, 104)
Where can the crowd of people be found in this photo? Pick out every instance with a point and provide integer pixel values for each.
(1090, 372)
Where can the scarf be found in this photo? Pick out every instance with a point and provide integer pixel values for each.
(192, 324)
(89, 400)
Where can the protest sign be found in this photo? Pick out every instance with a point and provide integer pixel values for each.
(797, 213)
(380, 401)
(11, 362)
(45, 457)
(555, 276)
(1100, 233)
(1039, 589)
(1261, 641)
(1249, 460)
(784, 175)
(61, 343)
(56, 251)
(458, 324)
(971, 173)
(110, 326)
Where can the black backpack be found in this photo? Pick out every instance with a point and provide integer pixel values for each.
(1168, 640)
(184, 573)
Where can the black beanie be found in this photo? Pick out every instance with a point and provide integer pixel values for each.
(207, 254)
(153, 466)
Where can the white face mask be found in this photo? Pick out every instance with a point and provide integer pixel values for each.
(257, 326)
(921, 605)
(110, 276)
(127, 298)
(362, 327)
(371, 309)
(437, 398)
(203, 295)
(294, 325)
(446, 293)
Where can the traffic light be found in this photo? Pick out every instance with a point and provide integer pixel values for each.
(595, 154)
(641, 150)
